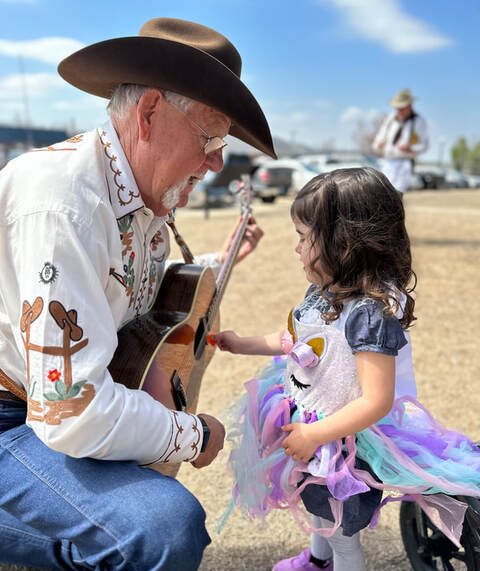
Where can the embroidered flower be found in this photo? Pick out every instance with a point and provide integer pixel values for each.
(54, 375)
(156, 240)
(126, 233)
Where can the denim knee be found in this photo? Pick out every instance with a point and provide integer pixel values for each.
(167, 532)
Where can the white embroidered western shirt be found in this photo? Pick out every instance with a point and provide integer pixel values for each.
(414, 133)
(82, 255)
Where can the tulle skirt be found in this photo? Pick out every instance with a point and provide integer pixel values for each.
(410, 456)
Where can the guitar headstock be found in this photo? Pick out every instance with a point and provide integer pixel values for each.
(242, 189)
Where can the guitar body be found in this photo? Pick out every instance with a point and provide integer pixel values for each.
(165, 352)
(167, 346)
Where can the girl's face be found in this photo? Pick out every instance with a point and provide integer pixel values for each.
(308, 253)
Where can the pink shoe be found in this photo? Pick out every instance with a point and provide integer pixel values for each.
(300, 562)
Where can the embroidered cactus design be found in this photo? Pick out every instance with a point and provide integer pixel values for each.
(152, 279)
(129, 277)
(61, 390)
(68, 398)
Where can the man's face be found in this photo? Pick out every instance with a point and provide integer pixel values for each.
(179, 159)
(404, 112)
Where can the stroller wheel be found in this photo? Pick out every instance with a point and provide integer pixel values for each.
(428, 549)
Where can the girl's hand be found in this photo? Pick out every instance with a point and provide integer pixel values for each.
(301, 442)
(228, 341)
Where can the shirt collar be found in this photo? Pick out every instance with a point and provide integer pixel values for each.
(124, 194)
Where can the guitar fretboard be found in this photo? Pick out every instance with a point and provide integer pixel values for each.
(229, 262)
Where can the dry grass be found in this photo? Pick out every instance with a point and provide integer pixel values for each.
(445, 232)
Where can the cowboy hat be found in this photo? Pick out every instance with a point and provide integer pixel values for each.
(180, 56)
(403, 98)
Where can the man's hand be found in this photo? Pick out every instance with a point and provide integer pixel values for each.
(215, 442)
(405, 148)
(253, 235)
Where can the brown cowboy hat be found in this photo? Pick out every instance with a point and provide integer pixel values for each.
(179, 56)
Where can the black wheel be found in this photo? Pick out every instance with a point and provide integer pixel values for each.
(428, 549)
(268, 199)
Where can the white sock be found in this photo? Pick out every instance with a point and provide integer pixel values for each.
(319, 546)
(347, 551)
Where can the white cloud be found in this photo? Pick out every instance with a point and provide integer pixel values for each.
(300, 117)
(385, 22)
(79, 103)
(47, 50)
(352, 114)
(321, 103)
(51, 102)
(35, 84)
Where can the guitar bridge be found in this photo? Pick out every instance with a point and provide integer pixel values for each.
(178, 392)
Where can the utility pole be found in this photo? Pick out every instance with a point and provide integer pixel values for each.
(26, 107)
(441, 149)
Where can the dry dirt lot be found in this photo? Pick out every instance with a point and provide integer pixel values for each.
(445, 232)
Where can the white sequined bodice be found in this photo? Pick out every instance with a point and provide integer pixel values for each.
(332, 383)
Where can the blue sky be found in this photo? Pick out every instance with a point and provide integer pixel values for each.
(316, 66)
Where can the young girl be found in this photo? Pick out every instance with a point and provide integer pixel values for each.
(335, 421)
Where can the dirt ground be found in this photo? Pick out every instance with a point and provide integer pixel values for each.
(444, 228)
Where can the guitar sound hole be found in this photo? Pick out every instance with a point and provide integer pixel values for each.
(199, 344)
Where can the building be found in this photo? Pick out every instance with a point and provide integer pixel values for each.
(16, 140)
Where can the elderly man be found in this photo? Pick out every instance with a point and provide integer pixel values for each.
(401, 138)
(83, 245)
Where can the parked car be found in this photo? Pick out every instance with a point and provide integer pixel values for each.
(278, 178)
(429, 177)
(473, 180)
(213, 191)
(416, 182)
(455, 179)
(327, 162)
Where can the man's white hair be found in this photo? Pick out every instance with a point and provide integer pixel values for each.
(128, 94)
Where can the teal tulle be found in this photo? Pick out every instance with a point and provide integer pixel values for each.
(409, 453)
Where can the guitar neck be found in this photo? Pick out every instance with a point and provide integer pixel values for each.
(227, 266)
(230, 259)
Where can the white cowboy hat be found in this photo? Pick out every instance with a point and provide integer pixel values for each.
(403, 98)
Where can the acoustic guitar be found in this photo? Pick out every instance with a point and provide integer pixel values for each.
(165, 352)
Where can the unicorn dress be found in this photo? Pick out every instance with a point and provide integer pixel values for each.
(406, 455)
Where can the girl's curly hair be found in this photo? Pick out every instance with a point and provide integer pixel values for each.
(357, 224)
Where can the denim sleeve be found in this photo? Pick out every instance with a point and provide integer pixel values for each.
(310, 290)
(367, 329)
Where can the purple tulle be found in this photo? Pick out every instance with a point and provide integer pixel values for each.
(412, 455)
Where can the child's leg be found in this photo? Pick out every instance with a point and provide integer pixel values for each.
(316, 558)
(319, 546)
(347, 551)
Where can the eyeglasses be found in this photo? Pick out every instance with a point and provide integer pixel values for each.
(213, 143)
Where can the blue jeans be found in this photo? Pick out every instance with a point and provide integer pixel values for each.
(59, 512)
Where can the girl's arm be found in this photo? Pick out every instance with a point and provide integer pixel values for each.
(376, 373)
(258, 345)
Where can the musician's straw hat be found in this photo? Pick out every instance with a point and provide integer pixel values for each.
(180, 56)
(403, 98)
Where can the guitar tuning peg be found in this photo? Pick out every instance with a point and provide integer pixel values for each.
(235, 186)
